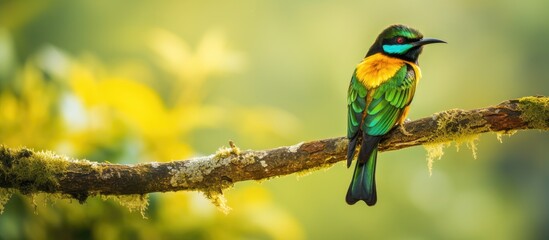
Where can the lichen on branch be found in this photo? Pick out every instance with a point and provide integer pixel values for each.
(31, 172)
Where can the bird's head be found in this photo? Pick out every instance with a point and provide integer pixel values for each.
(402, 42)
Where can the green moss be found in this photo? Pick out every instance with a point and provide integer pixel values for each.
(134, 202)
(5, 195)
(508, 133)
(224, 152)
(454, 126)
(27, 170)
(193, 173)
(30, 171)
(434, 152)
(449, 127)
(535, 111)
(217, 198)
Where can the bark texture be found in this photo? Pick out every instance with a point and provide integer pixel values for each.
(32, 171)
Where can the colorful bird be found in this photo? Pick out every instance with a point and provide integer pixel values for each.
(379, 97)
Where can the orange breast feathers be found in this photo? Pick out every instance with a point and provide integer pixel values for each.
(378, 68)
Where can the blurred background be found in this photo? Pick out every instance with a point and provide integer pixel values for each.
(136, 81)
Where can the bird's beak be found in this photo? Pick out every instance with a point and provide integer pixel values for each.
(427, 41)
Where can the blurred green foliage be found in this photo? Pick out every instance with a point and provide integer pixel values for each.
(133, 81)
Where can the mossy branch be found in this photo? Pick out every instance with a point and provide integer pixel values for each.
(32, 172)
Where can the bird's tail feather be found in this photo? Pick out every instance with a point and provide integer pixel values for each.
(363, 186)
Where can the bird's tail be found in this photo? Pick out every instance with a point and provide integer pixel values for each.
(363, 184)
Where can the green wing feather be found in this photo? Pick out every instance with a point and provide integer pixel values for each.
(388, 102)
(386, 106)
(356, 105)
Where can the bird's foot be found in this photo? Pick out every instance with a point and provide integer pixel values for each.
(403, 130)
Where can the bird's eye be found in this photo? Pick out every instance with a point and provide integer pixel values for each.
(400, 40)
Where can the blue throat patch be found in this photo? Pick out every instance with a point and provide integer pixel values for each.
(397, 49)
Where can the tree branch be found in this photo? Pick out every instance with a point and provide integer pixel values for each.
(30, 171)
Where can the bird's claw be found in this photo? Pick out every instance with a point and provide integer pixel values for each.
(403, 130)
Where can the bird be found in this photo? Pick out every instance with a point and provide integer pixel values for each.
(378, 99)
